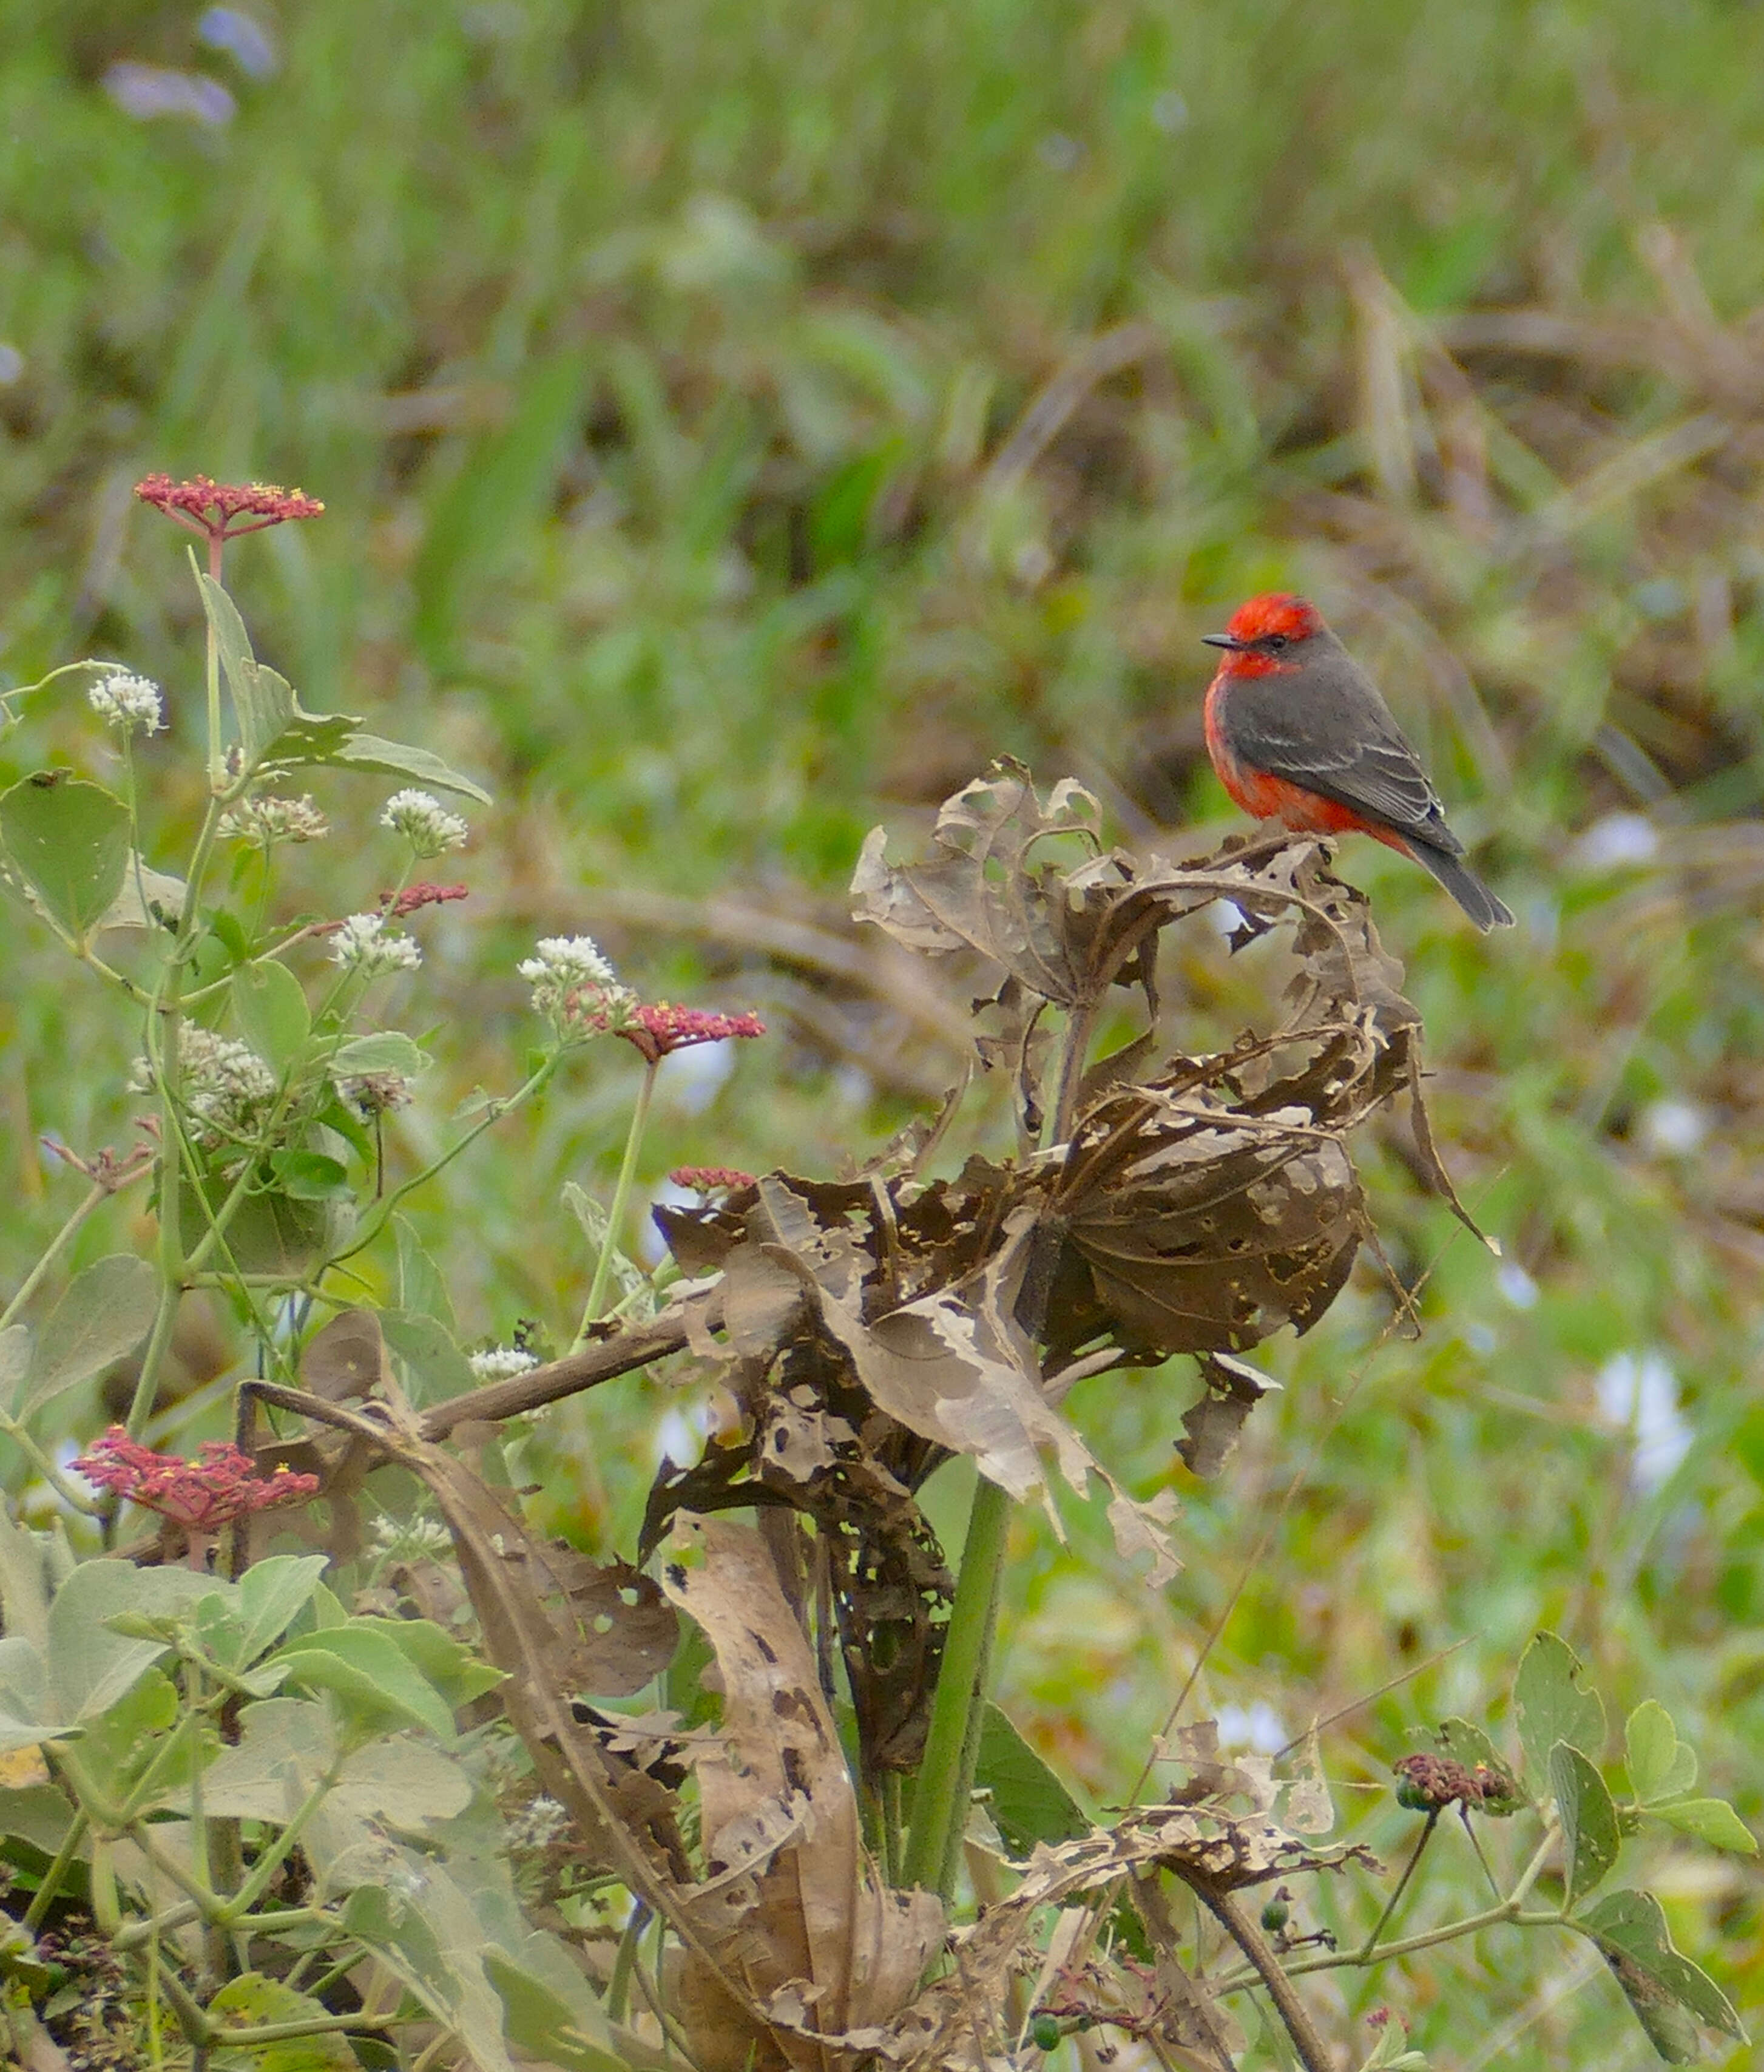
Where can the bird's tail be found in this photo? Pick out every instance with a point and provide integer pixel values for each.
(1465, 887)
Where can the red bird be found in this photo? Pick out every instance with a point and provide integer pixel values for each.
(1298, 732)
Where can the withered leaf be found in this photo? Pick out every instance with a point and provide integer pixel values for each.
(346, 1358)
(988, 890)
(779, 1811)
(1215, 1424)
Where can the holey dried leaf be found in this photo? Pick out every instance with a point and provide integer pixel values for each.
(957, 1367)
(987, 891)
(792, 1907)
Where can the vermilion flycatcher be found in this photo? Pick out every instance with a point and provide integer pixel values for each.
(1298, 734)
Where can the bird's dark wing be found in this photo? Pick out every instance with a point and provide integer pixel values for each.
(1324, 726)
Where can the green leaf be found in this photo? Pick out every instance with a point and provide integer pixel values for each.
(69, 841)
(122, 1742)
(309, 738)
(422, 1290)
(252, 2001)
(435, 1368)
(552, 2020)
(393, 758)
(1710, 1820)
(309, 1176)
(457, 1672)
(1589, 1819)
(1029, 1804)
(25, 1585)
(1662, 1986)
(270, 1005)
(271, 1594)
(261, 701)
(385, 1050)
(1660, 1765)
(109, 1309)
(91, 1668)
(371, 1675)
(1552, 1707)
(433, 1940)
(25, 1718)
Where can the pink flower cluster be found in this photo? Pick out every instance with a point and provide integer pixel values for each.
(711, 1179)
(210, 507)
(202, 1495)
(660, 1030)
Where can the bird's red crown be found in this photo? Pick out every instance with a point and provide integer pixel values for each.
(1276, 612)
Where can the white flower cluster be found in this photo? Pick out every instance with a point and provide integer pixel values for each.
(263, 821)
(411, 1538)
(128, 702)
(572, 982)
(425, 823)
(361, 944)
(502, 1363)
(541, 1821)
(224, 1082)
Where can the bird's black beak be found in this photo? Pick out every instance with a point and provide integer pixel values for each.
(1224, 640)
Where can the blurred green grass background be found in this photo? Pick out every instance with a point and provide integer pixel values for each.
(739, 422)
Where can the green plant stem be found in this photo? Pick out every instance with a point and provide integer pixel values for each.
(44, 1897)
(11, 1429)
(1509, 1911)
(384, 1208)
(615, 1216)
(33, 1281)
(946, 1775)
(1382, 1923)
(624, 1963)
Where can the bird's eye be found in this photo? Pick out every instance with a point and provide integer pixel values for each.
(1274, 642)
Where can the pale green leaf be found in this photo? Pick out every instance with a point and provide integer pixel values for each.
(1589, 1819)
(395, 759)
(109, 1309)
(91, 1667)
(1710, 1820)
(1028, 1804)
(384, 1050)
(434, 1367)
(370, 1674)
(422, 1292)
(1660, 1765)
(1552, 1706)
(252, 2001)
(1662, 1986)
(270, 1005)
(68, 840)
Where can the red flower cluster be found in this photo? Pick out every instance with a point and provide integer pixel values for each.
(660, 1030)
(710, 1179)
(201, 1495)
(395, 905)
(205, 506)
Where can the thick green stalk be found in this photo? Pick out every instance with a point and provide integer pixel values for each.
(946, 1777)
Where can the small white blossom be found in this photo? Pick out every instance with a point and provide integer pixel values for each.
(371, 1094)
(224, 1082)
(540, 1821)
(360, 943)
(502, 1363)
(425, 823)
(128, 702)
(268, 820)
(411, 1538)
(572, 982)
